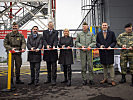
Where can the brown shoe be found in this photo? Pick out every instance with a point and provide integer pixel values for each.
(104, 81)
(113, 83)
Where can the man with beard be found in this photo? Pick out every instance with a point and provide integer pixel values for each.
(15, 41)
(34, 44)
(125, 40)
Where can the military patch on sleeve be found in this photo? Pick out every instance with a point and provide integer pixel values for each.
(17, 38)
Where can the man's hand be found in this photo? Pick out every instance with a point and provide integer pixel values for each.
(48, 46)
(13, 49)
(124, 46)
(23, 50)
(37, 49)
(89, 48)
(102, 46)
(53, 47)
(32, 49)
(63, 46)
(109, 48)
(68, 47)
(131, 48)
(83, 48)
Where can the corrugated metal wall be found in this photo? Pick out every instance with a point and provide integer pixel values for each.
(118, 13)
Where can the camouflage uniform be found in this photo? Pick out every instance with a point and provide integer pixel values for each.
(15, 40)
(126, 55)
(86, 39)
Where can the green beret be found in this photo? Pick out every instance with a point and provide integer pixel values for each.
(14, 23)
(85, 23)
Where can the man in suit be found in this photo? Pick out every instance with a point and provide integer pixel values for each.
(50, 40)
(106, 39)
(34, 44)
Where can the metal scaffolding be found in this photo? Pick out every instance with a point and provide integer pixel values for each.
(24, 11)
(92, 12)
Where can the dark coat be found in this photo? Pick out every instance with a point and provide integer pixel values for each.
(36, 43)
(66, 56)
(52, 40)
(106, 56)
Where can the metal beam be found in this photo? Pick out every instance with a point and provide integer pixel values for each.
(38, 24)
(34, 15)
(7, 9)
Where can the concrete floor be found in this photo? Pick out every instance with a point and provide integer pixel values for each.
(61, 92)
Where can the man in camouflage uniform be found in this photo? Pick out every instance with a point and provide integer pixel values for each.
(125, 40)
(15, 41)
(85, 39)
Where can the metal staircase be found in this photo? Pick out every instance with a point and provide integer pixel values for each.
(28, 16)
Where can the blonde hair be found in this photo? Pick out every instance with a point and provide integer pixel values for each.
(66, 30)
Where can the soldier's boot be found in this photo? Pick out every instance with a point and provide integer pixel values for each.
(84, 82)
(18, 81)
(132, 81)
(69, 75)
(91, 82)
(123, 80)
(65, 75)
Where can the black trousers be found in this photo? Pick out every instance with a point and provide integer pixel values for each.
(17, 60)
(67, 72)
(52, 69)
(35, 70)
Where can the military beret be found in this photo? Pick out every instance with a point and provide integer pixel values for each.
(14, 23)
(85, 23)
(128, 25)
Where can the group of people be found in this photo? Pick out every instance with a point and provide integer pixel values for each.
(49, 41)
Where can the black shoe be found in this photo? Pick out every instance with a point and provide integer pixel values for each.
(65, 81)
(84, 82)
(48, 81)
(91, 82)
(36, 84)
(123, 80)
(69, 83)
(32, 82)
(53, 82)
(19, 82)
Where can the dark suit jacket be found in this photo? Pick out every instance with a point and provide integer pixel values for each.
(66, 56)
(106, 56)
(52, 40)
(36, 43)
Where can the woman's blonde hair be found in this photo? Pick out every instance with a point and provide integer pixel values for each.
(66, 30)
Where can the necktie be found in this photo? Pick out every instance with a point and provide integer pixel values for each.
(50, 32)
(34, 35)
(104, 34)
